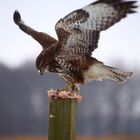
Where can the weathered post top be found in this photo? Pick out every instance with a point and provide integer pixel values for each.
(62, 115)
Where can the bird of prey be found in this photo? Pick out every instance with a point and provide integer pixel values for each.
(78, 34)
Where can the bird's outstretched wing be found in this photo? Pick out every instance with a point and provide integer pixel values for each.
(44, 39)
(78, 32)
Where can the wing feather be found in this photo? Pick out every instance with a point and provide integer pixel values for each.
(105, 13)
(78, 32)
(44, 39)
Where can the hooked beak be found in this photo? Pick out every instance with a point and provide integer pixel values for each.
(40, 72)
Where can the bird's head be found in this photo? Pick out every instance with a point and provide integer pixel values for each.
(42, 62)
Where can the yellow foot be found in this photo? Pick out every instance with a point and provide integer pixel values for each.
(63, 89)
(72, 86)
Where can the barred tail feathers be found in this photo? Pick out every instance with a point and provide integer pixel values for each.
(118, 75)
(100, 72)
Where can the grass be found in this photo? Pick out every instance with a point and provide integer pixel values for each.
(114, 137)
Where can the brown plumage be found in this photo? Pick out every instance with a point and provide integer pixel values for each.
(78, 35)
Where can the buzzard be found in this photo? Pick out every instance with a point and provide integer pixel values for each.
(78, 34)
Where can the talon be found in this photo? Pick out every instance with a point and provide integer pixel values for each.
(71, 86)
(63, 89)
(76, 88)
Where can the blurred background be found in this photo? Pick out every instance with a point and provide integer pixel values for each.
(106, 108)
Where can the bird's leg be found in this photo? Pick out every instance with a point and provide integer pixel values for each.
(67, 87)
(76, 88)
(73, 86)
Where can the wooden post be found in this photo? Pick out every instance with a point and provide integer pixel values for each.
(62, 116)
